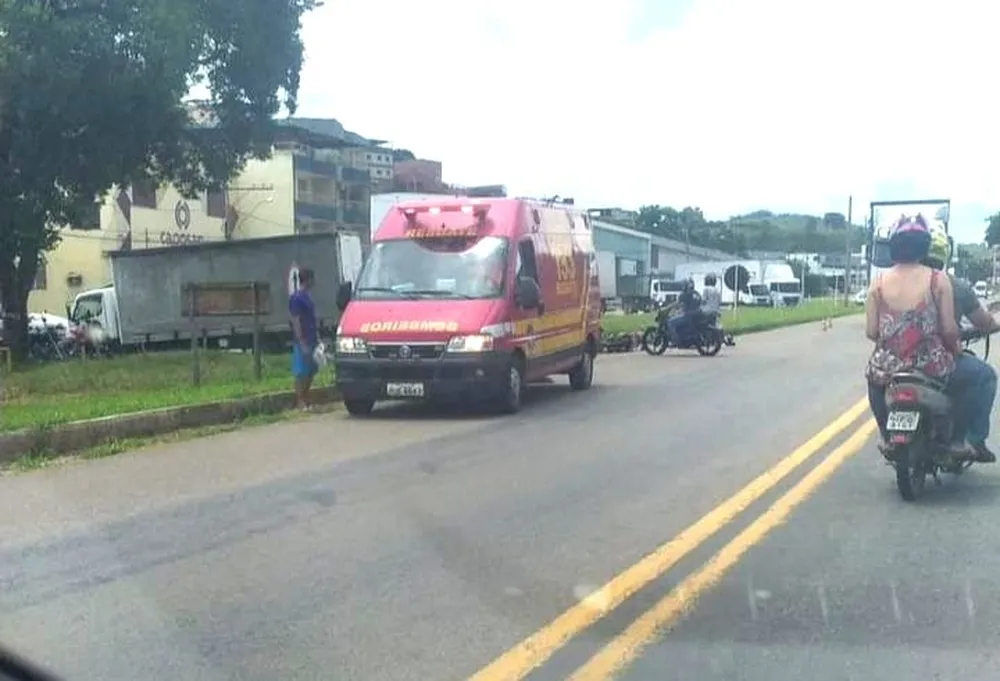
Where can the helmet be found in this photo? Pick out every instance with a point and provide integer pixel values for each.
(710, 280)
(909, 239)
(689, 284)
(939, 251)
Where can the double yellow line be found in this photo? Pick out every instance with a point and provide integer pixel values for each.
(533, 651)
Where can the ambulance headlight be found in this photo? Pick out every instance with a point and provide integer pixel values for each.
(351, 345)
(476, 343)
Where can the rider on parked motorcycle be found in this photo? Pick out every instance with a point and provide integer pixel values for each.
(972, 377)
(911, 318)
(689, 301)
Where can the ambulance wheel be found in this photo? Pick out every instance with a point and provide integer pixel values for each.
(359, 407)
(510, 398)
(581, 376)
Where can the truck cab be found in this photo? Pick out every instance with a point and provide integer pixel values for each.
(665, 291)
(784, 287)
(760, 296)
(469, 298)
(97, 309)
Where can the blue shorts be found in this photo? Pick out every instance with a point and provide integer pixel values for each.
(303, 365)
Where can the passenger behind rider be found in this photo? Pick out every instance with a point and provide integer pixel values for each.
(973, 378)
(910, 316)
(690, 303)
(711, 299)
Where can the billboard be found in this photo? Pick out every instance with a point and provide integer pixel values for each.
(883, 214)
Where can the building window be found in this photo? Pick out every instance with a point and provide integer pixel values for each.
(144, 194)
(215, 204)
(41, 276)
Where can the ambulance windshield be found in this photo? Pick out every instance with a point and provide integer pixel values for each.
(440, 268)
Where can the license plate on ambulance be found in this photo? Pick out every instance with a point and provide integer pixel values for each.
(404, 389)
(903, 421)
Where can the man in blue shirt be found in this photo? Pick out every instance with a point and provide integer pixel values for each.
(690, 303)
(974, 382)
(305, 337)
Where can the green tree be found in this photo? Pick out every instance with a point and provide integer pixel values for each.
(992, 237)
(835, 220)
(686, 224)
(91, 96)
(974, 262)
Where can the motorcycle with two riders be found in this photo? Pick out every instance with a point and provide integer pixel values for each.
(703, 334)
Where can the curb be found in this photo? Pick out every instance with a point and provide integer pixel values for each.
(65, 438)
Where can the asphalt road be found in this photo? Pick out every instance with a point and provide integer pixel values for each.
(416, 545)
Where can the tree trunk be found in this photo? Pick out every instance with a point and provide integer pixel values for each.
(16, 282)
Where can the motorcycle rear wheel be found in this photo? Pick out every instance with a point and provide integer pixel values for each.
(911, 472)
(709, 343)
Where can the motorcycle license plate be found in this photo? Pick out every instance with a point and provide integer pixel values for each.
(903, 421)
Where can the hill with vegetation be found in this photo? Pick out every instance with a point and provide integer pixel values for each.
(757, 231)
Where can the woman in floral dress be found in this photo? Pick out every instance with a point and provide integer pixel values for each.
(911, 319)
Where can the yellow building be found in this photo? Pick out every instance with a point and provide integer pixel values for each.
(77, 264)
(318, 179)
(141, 217)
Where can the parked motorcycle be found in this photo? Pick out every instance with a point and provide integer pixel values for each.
(707, 338)
(45, 344)
(920, 425)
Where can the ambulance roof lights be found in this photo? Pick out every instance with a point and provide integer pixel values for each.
(475, 208)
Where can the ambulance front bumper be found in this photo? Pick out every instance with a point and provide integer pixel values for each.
(446, 377)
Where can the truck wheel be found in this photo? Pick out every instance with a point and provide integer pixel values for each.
(359, 407)
(581, 376)
(510, 398)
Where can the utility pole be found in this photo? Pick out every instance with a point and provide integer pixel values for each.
(847, 252)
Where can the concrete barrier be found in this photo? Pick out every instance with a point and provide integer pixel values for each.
(78, 435)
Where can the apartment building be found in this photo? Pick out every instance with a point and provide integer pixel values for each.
(317, 179)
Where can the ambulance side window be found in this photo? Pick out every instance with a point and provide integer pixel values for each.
(526, 266)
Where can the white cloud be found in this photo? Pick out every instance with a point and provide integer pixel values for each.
(743, 104)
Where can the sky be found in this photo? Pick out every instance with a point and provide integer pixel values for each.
(728, 105)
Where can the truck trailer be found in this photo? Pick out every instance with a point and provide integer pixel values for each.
(747, 282)
(147, 303)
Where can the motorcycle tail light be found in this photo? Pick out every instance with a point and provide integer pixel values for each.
(904, 395)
